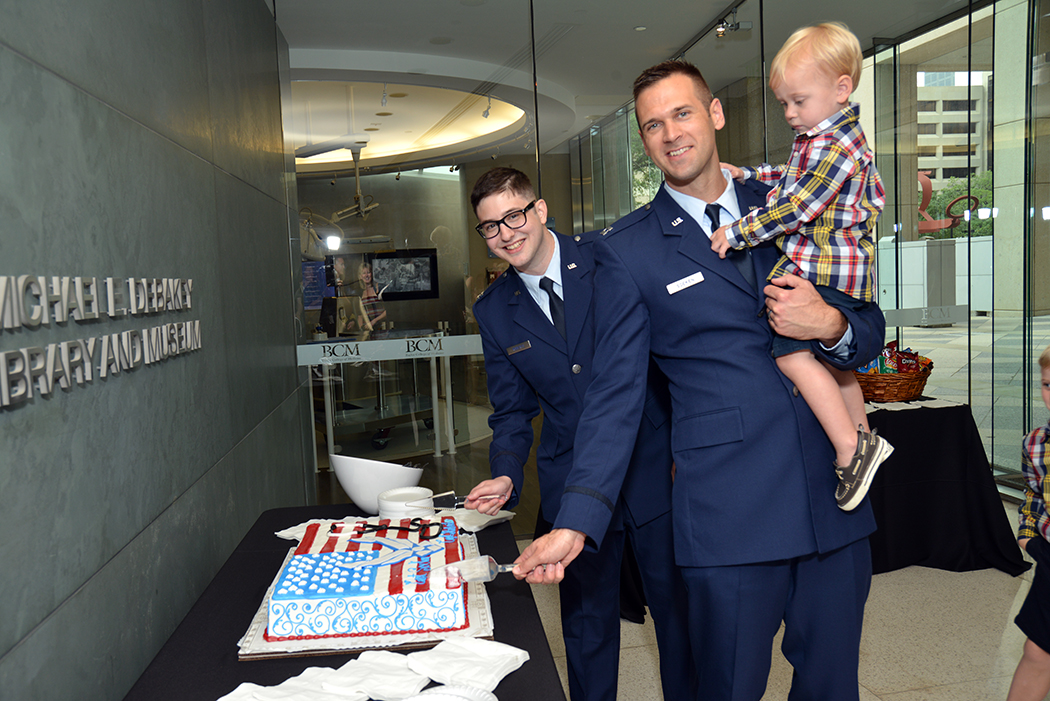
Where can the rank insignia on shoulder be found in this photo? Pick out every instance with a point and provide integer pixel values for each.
(606, 230)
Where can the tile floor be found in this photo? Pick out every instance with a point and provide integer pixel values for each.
(929, 635)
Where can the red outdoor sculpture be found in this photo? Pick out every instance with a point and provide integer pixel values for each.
(932, 225)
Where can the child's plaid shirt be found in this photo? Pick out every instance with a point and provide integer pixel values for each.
(823, 207)
(1034, 520)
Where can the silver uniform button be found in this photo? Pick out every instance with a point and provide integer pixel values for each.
(576, 238)
(794, 390)
(576, 369)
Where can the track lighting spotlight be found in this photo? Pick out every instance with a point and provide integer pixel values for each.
(383, 101)
(485, 114)
(398, 176)
(730, 26)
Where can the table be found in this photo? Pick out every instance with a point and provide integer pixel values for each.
(199, 660)
(935, 500)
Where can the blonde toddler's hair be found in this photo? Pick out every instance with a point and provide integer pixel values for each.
(831, 46)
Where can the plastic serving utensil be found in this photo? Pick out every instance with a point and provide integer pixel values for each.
(444, 501)
(475, 569)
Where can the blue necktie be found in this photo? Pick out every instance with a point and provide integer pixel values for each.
(556, 305)
(742, 258)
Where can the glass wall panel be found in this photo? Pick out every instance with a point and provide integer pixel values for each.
(935, 251)
(954, 243)
(1037, 245)
(388, 154)
(619, 200)
(732, 66)
(646, 178)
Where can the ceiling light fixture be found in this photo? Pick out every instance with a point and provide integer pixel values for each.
(485, 114)
(382, 102)
(730, 26)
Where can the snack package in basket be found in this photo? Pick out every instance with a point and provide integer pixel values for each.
(907, 361)
(888, 359)
(870, 368)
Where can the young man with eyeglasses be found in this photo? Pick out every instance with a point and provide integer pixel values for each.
(537, 330)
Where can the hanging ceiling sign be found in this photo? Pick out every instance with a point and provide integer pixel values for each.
(36, 301)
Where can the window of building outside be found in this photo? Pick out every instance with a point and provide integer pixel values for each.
(963, 278)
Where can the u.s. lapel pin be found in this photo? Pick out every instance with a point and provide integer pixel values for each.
(572, 266)
(753, 207)
(676, 222)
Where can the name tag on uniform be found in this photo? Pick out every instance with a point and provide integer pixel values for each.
(685, 282)
(519, 348)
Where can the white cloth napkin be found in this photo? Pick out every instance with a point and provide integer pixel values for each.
(242, 693)
(306, 687)
(383, 676)
(468, 661)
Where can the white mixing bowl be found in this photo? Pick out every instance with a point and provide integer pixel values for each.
(364, 480)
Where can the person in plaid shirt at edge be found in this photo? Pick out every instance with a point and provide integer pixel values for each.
(1032, 678)
(822, 212)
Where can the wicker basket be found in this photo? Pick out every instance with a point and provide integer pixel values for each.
(894, 387)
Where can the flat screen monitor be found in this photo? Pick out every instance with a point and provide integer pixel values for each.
(410, 273)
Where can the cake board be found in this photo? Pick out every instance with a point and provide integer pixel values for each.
(254, 646)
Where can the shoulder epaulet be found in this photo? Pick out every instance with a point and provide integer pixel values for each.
(628, 220)
(492, 286)
(586, 237)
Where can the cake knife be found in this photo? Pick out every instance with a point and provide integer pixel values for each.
(474, 569)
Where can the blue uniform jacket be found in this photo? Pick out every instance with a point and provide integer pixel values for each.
(755, 481)
(529, 365)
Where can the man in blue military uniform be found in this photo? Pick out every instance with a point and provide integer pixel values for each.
(758, 535)
(537, 330)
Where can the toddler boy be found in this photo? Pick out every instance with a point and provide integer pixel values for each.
(822, 211)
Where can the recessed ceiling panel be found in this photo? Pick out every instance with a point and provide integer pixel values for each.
(401, 123)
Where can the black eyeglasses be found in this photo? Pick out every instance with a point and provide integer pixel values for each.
(514, 220)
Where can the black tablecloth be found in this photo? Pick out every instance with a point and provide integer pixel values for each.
(199, 661)
(935, 500)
